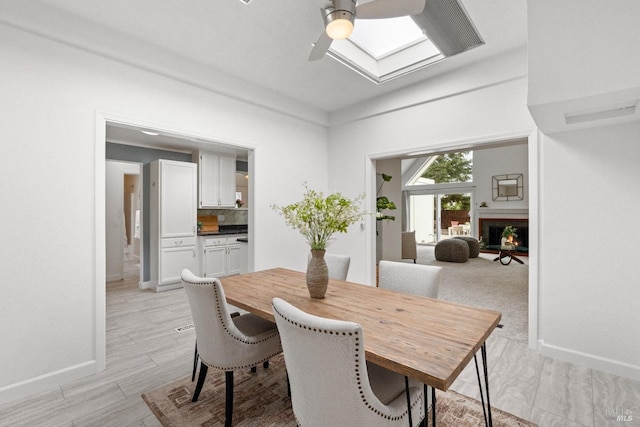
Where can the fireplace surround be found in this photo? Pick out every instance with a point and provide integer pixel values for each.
(490, 230)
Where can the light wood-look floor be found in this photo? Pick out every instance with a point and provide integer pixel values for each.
(144, 351)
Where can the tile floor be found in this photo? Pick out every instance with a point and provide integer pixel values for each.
(144, 351)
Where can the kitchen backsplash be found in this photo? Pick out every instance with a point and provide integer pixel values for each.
(231, 216)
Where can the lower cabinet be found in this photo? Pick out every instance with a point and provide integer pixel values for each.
(221, 256)
(234, 259)
(174, 256)
(214, 262)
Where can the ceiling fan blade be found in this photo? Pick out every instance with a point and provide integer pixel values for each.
(321, 47)
(381, 9)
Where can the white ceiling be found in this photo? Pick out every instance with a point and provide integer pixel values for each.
(268, 41)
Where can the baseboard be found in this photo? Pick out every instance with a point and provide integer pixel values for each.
(611, 366)
(145, 285)
(154, 285)
(114, 277)
(46, 382)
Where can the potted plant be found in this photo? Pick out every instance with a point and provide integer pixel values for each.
(508, 234)
(318, 218)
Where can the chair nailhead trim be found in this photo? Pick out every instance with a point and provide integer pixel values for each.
(218, 311)
(356, 368)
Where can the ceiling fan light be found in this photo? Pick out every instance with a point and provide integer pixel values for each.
(340, 28)
(339, 18)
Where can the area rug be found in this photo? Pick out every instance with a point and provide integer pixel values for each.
(260, 399)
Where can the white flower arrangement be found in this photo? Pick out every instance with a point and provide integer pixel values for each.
(318, 217)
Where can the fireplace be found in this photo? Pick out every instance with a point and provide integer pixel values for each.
(491, 230)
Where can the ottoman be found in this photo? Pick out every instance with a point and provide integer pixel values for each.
(474, 245)
(452, 250)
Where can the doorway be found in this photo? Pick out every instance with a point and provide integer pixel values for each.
(113, 132)
(481, 186)
(123, 220)
(439, 215)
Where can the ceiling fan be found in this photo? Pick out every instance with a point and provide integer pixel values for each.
(339, 18)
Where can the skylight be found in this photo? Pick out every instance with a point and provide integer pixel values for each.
(382, 49)
(382, 37)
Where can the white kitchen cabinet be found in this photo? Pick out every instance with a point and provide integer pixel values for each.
(173, 261)
(173, 220)
(214, 261)
(221, 256)
(233, 259)
(216, 180)
(243, 255)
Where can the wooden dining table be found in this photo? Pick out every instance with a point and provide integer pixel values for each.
(426, 339)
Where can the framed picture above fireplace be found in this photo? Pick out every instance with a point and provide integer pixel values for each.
(507, 187)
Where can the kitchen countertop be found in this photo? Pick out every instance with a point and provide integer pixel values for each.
(221, 232)
(225, 230)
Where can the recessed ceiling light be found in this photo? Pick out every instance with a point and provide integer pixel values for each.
(148, 132)
(246, 1)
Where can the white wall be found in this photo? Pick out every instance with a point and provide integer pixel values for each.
(589, 289)
(499, 161)
(49, 165)
(580, 48)
(582, 58)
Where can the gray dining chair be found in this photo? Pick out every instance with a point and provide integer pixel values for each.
(225, 342)
(331, 382)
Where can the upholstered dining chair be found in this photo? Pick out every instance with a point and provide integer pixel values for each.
(416, 279)
(337, 264)
(225, 342)
(331, 382)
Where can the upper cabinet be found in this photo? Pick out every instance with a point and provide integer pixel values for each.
(173, 197)
(216, 180)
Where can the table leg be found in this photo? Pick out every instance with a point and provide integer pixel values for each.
(433, 405)
(426, 406)
(488, 420)
(407, 392)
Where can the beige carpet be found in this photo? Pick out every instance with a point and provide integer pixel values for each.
(481, 282)
(261, 400)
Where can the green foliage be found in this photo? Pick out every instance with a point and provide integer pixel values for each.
(383, 202)
(317, 218)
(456, 202)
(509, 230)
(451, 167)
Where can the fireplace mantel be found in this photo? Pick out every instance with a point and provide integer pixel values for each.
(484, 212)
